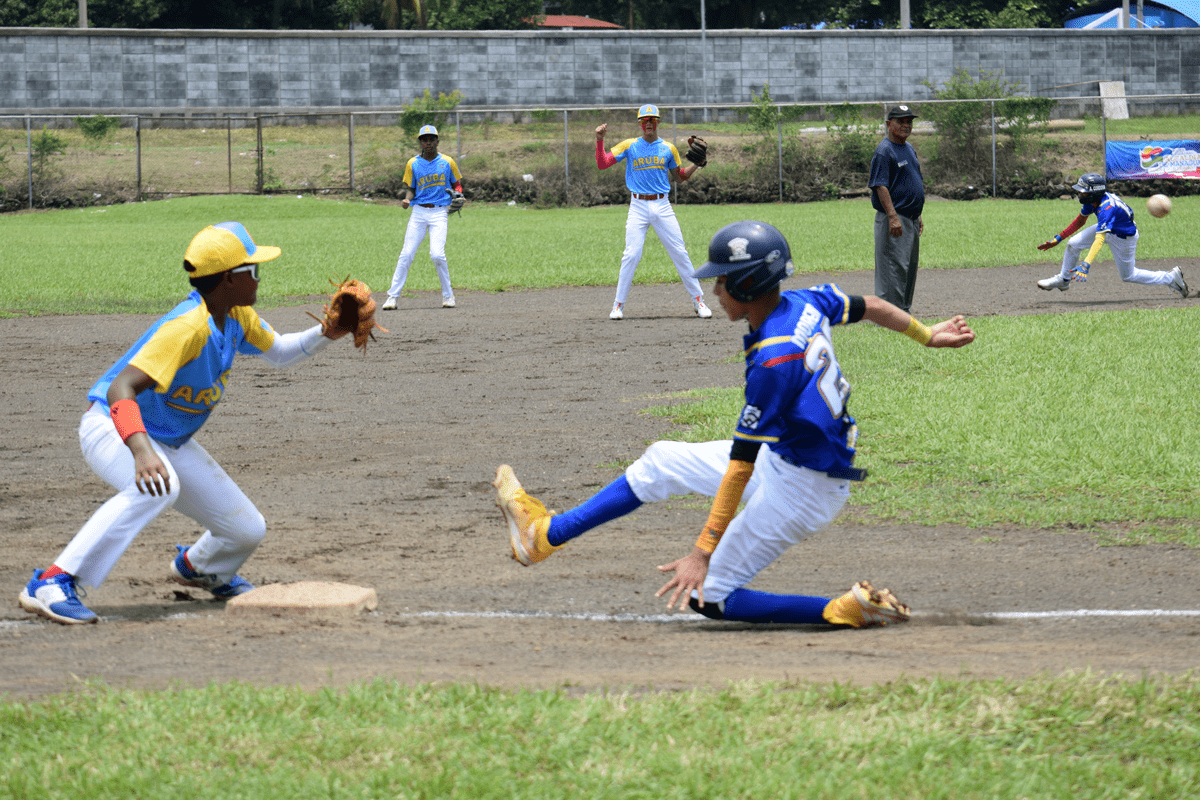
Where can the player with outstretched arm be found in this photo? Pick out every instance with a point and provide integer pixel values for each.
(650, 166)
(791, 458)
(1114, 225)
(138, 431)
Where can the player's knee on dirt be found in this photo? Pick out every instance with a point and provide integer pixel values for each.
(710, 610)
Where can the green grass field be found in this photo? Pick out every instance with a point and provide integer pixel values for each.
(1109, 444)
(1070, 736)
(129, 256)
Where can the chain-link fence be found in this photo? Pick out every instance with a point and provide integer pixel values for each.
(758, 152)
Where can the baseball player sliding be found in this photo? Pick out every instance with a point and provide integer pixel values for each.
(433, 187)
(794, 486)
(137, 433)
(650, 165)
(1113, 219)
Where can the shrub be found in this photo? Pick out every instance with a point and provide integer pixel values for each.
(97, 128)
(428, 110)
(964, 124)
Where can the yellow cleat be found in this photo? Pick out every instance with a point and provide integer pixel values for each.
(864, 606)
(528, 520)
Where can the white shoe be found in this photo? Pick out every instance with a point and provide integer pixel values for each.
(1056, 282)
(702, 311)
(448, 302)
(1178, 283)
(617, 313)
(389, 304)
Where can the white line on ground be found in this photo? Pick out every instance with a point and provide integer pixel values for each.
(1083, 612)
(1015, 615)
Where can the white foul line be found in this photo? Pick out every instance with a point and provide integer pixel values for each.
(1080, 613)
(681, 617)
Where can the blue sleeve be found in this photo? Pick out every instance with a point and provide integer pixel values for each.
(881, 168)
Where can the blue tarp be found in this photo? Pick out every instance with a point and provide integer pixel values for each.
(1158, 14)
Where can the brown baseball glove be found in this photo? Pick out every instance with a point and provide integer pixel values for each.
(350, 310)
(697, 151)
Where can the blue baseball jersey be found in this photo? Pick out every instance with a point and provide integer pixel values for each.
(1111, 215)
(648, 165)
(431, 181)
(896, 167)
(189, 359)
(795, 392)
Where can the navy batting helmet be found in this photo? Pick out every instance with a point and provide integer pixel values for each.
(753, 256)
(1090, 184)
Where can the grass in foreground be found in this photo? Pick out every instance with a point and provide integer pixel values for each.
(122, 259)
(1072, 736)
(1067, 419)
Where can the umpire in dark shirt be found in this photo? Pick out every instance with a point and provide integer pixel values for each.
(898, 195)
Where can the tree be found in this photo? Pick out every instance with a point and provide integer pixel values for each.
(65, 13)
(954, 14)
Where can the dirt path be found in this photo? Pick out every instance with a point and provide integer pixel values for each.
(391, 490)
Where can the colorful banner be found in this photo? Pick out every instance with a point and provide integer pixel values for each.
(1169, 159)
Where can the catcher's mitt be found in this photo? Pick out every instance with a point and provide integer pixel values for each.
(350, 310)
(697, 151)
(456, 201)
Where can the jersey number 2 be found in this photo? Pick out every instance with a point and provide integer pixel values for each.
(833, 386)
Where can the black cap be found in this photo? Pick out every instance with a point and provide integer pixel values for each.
(900, 112)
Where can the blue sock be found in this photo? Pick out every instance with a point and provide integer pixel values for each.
(614, 500)
(746, 605)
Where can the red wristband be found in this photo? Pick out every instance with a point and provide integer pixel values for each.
(127, 416)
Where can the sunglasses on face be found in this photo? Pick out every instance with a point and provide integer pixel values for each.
(251, 268)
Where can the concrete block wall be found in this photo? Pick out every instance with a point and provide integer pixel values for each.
(68, 70)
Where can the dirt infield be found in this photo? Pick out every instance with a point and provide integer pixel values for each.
(375, 471)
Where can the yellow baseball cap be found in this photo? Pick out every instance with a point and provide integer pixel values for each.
(648, 110)
(222, 247)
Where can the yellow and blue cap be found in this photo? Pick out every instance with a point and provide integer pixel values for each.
(221, 247)
(648, 110)
(427, 130)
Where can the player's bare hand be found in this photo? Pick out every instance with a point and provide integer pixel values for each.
(690, 572)
(600, 131)
(150, 474)
(895, 227)
(1047, 245)
(404, 203)
(954, 332)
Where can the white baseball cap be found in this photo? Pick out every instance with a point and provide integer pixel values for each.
(427, 130)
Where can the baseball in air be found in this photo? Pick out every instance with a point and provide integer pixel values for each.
(1159, 205)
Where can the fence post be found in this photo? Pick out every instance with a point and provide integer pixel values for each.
(457, 136)
(137, 138)
(351, 115)
(29, 155)
(1104, 138)
(779, 124)
(566, 154)
(229, 150)
(259, 178)
(993, 149)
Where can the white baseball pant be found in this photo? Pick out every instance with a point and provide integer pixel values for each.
(200, 488)
(659, 214)
(436, 221)
(784, 504)
(1124, 253)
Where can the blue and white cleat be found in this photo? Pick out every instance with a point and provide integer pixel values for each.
(182, 573)
(55, 599)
